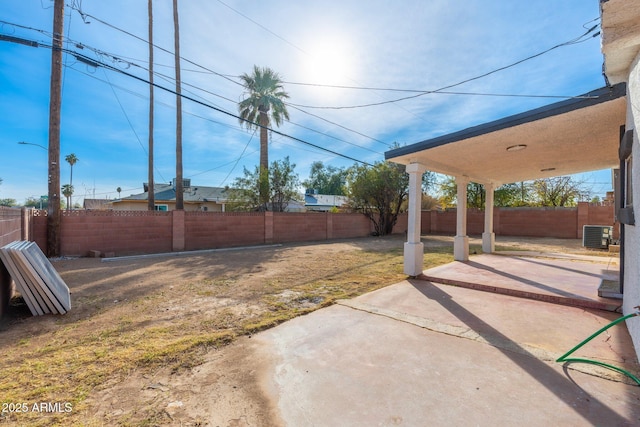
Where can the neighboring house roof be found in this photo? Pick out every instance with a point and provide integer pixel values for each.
(328, 201)
(580, 134)
(97, 203)
(196, 193)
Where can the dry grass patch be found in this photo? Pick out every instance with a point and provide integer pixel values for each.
(135, 317)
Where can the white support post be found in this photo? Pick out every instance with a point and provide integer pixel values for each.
(413, 248)
(461, 241)
(488, 237)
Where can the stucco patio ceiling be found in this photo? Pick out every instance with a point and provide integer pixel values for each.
(572, 136)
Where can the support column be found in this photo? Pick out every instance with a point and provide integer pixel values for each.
(413, 248)
(461, 241)
(488, 237)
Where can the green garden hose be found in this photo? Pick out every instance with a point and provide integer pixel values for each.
(565, 358)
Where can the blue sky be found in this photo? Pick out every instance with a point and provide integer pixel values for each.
(418, 45)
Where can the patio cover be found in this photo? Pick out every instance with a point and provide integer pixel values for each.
(576, 135)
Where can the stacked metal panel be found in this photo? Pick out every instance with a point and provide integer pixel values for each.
(38, 282)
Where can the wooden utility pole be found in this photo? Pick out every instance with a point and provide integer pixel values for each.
(54, 213)
(179, 183)
(151, 194)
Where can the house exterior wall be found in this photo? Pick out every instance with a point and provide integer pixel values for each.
(632, 233)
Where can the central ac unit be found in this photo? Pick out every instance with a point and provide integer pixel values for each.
(597, 236)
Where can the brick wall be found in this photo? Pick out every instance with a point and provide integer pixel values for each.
(120, 232)
(11, 229)
(530, 222)
(206, 230)
(134, 232)
(10, 225)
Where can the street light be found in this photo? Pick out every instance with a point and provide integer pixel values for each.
(31, 143)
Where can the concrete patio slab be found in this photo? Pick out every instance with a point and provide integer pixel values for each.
(570, 280)
(421, 353)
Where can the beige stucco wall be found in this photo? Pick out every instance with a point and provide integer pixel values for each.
(632, 233)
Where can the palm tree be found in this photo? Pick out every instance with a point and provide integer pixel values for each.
(262, 106)
(67, 191)
(72, 160)
(119, 190)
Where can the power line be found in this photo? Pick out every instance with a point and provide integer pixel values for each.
(119, 59)
(576, 40)
(83, 58)
(129, 121)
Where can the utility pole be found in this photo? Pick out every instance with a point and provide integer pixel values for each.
(54, 213)
(179, 182)
(151, 197)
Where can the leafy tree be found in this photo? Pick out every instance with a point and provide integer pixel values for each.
(283, 183)
(8, 202)
(379, 192)
(515, 194)
(449, 191)
(67, 191)
(327, 179)
(559, 191)
(39, 203)
(263, 105)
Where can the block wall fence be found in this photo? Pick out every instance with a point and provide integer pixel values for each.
(138, 232)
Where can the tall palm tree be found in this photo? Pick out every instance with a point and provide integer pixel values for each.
(72, 160)
(262, 106)
(67, 191)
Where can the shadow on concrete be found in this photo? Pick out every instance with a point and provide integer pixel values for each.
(571, 270)
(519, 278)
(560, 386)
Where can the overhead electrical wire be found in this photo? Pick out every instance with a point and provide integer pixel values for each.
(238, 128)
(579, 39)
(227, 77)
(129, 121)
(89, 61)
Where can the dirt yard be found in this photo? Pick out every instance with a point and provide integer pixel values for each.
(167, 340)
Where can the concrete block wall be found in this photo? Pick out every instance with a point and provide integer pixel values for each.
(299, 227)
(10, 225)
(538, 222)
(349, 225)
(132, 232)
(557, 222)
(205, 230)
(11, 229)
(119, 232)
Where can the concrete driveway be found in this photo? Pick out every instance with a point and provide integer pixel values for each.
(419, 353)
